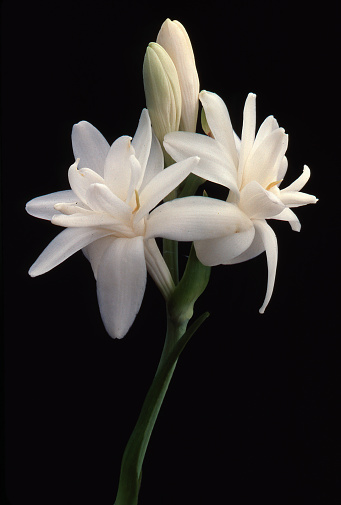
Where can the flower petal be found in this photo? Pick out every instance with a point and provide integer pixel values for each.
(301, 181)
(90, 146)
(135, 176)
(121, 282)
(220, 251)
(117, 172)
(101, 199)
(93, 219)
(81, 180)
(157, 268)
(155, 163)
(43, 206)
(213, 164)
(163, 183)
(94, 252)
(268, 126)
(218, 119)
(288, 215)
(196, 218)
(269, 240)
(63, 246)
(258, 203)
(297, 198)
(255, 249)
(142, 140)
(248, 133)
(263, 164)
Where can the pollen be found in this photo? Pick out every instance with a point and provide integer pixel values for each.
(272, 184)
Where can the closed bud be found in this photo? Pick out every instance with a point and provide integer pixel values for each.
(162, 90)
(175, 40)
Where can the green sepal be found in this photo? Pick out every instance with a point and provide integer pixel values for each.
(131, 468)
(191, 286)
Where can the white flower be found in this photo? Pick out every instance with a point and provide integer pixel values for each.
(175, 40)
(253, 168)
(109, 214)
(106, 214)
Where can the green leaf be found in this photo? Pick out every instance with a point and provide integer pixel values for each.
(131, 468)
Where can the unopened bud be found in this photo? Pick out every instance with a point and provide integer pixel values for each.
(162, 90)
(175, 40)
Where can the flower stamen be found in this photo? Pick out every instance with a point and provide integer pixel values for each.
(138, 205)
(272, 184)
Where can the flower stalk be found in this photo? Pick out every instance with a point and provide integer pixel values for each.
(133, 457)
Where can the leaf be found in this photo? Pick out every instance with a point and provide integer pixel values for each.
(131, 468)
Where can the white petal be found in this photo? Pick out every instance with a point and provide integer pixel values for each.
(163, 183)
(248, 133)
(297, 198)
(94, 251)
(157, 268)
(72, 208)
(80, 180)
(214, 164)
(93, 219)
(63, 246)
(117, 172)
(219, 122)
(90, 146)
(283, 167)
(101, 199)
(301, 181)
(121, 282)
(258, 203)
(288, 215)
(142, 140)
(255, 249)
(155, 162)
(196, 218)
(263, 164)
(135, 176)
(268, 126)
(269, 239)
(43, 206)
(220, 251)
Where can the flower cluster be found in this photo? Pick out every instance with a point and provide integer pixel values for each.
(124, 195)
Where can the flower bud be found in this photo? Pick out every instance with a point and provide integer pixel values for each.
(162, 90)
(175, 40)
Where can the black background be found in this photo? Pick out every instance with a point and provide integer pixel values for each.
(249, 414)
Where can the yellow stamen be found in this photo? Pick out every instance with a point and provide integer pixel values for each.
(138, 205)
(272, 184)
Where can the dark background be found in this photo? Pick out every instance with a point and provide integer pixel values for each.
(249, 414)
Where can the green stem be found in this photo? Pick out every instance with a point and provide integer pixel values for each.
(131, 467)
(170, 254)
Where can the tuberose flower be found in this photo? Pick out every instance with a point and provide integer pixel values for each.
(108, 213)
(105, 214)
(253, 167)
